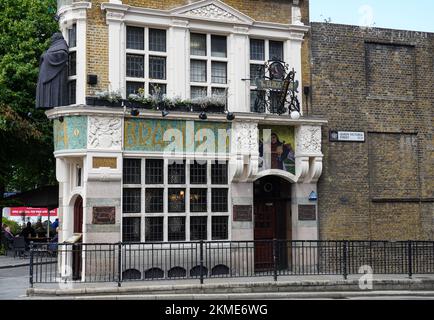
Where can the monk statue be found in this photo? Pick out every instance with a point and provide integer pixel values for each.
(52, 88)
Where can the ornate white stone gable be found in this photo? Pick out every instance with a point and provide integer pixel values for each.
(104, 133)
(309, 140)
(211, 11)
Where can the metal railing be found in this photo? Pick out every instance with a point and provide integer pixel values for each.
(122, 262)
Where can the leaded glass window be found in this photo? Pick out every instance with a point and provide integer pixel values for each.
(198, 173)
(219, 173)
(257, 49)
(219, 72)
(176, 173)
(157, 67)
(154, 231)
(154, 171)
(132, 171)
(131, 230)
(218, 46)
(135, 38)
(198, 200)
(276, 50)
(198, 71)
(176, 229)
(198, 228)
(176, 200)
(131, 200)
(219, 200)
(219, 226)
(197, 44)
(154, 200)
(135, 66)
(157, 40)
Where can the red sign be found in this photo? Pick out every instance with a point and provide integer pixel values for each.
(31, 212)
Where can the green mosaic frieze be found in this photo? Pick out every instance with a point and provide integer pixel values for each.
(71, 134)
(151, 135)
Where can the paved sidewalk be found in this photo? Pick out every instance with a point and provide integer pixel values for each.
(11, 262)
(264, 287)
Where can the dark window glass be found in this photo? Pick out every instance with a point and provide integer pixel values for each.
(135, 38)
(274, 101)
(257, 49)
(134, 87)
(197, 44)
(72, 36)
(157, 68)
(176, 173)
(132, 171)
(198, 200)
(154, 200)
(154, 171)
(131, 230)
(157, 88)
(198, 71)
(218, 46)
(176, 229)
(276, 50)
(219, 227)
(78, 177)
(219, 173)
(176, 200)
(256, 101)
(72, 91)
(135, 66)
(256, 71)
(198, 228)
(198, 173)
(154, 229)
(198, 92)
(131, 200)
(157, 40)
(72, 64)
(219, 72)
(219, 200)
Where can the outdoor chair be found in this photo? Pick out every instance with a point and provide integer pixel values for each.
(19, 247)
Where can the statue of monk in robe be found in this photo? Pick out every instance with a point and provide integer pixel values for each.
(52, 88)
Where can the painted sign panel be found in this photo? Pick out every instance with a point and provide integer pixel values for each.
(70, 134)
(277, 148)
(104, 162)
(176, 136)
(242, 213)
(103, 215)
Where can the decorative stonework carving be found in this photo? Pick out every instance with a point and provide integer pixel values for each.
(309, 140)
(212, 12)
(104, 133)
(246, 137)
(296, 16)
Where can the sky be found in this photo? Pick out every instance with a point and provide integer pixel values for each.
(415, 15)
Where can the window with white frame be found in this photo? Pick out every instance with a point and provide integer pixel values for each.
(208, 65)
(260, 52)
(183, 200)
(146, 60)
(72, 64)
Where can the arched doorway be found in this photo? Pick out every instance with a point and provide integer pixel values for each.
(78, 228)
(272, 218)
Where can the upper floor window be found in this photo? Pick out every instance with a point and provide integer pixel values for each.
(260, 52)
(208, 65)
(146, 58)
(72, 64)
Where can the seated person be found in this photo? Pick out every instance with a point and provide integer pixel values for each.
(9, 237)
(28, 232)
(53, 243)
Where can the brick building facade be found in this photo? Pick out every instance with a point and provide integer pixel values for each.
(380, 82)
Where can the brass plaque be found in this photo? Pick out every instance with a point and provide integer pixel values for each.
(306, 212)
(243, 213)
(103, 215)
(103, 162)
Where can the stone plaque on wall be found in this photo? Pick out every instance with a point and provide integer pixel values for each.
(306, 212)
(242, 213)
(104, 162)
(103, 215)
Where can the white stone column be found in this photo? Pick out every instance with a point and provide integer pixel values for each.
(81, 60)
(294, 58)
(116, 44)
(178, 53)
(238, 69)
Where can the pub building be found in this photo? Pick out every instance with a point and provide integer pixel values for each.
(185, 122)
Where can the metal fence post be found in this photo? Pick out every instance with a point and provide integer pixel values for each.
(344, 259)
(201, 261)
(275, 259)
(410, 259)
(31, 265)
(119, 264)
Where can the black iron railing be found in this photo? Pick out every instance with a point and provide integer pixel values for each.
(122, 262)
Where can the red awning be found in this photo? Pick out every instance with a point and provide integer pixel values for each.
(31, 212)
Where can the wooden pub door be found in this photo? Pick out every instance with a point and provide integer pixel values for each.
(76, 248)
(265, 231)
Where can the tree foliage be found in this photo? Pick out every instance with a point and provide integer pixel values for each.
(26, 146)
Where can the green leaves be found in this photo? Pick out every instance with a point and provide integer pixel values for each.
(26, 159)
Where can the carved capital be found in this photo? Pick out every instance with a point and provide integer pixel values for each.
(308, 141)
(104, 133)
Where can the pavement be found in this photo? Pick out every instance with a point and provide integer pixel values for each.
(7, 262)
